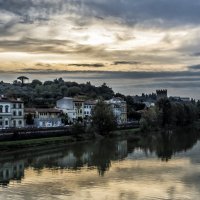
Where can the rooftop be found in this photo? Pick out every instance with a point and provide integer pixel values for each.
(42, 110)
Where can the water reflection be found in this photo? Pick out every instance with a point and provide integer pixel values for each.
(11, 171)
(122, 162)
(98, 154)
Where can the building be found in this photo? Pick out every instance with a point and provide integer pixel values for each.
(149, 104)
(66, 104)
(119, 108)
(180, 99)
(73, 107)
(45, 117)
(11, 113)
(161, 94)
(79, 109)
(88, 108)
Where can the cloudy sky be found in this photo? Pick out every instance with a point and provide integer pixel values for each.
(133, 45)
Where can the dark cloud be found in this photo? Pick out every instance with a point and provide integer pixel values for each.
(129, 75)
(96, 65)
(127, 63)
(33, 70)
(34, 45)
(197, 54)
(164, 13)
(43, 65)
(49, 46)
(194, 67)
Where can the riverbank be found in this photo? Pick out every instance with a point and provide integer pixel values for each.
(21, 144)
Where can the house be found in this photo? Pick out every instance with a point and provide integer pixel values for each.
(79, 109)
(88, 108)
(180, 99)
(45, 117)
(11, 113)
(149, 104)
(73, 107)
(66, 104)
(119, 108)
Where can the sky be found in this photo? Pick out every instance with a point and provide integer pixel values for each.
(133, 45)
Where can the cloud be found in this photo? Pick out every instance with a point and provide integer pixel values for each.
(196, 54)
(88, 65)
(122, 36)
(126, 63)
(194, 67)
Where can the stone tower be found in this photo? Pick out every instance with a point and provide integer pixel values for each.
(161, 94)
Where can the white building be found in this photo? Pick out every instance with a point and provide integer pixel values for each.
(66, 104)
(11, 113)
(119, 108)
(73, 107)
(45, 117)
(88, 108)
(79, 108)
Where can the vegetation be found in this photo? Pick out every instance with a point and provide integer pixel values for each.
(38, 94)
(169, 114)
(103, 119)
(77, 129)
(29, 119)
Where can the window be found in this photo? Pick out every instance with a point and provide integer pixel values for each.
(7, 109)
(1, 123)
(20, 113)
(14, 113)
(80, 111)
(20, 122)
(14, 105)
(20, 106)
(6, 122)
(1, 109)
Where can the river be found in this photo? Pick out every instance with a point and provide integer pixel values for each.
(162, 167)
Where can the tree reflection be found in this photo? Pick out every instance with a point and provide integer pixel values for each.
(165, 144)
(99, 154)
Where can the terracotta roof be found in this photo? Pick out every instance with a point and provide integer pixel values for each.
(78, 100)
(90, 102)
(40, 110)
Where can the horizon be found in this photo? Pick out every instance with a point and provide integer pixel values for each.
(135, 46)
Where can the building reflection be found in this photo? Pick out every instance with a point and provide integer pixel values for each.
(99, 155)
(11, 171)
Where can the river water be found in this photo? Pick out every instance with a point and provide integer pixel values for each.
(163, 167)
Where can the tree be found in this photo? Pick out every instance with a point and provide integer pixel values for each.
(73, 91)
(103, 119)
(77, 129)
(64, 118)
(29, 119)
(35, 82)
(22, 79)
